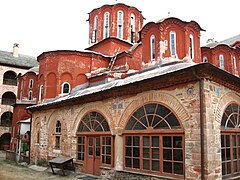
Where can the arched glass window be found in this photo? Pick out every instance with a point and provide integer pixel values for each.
(191, 46)
(120, 24)
(205, 59)
(152, 44)
(8, 98)
(30, 83)
(221, 61)
(65, 88)
(132, 27)
(230, 141)
(10, 78)
(173, 44)
(30, 95)
(6, 119)
(106, 24)
(154, 141)
(95, 27)
(41, 92)
(93, 121)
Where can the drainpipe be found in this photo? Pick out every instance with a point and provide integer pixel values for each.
(201, 98)
(28, 112)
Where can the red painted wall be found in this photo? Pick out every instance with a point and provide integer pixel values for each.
(19, 113)
(228, 52)
(113, 9)
(58, 67)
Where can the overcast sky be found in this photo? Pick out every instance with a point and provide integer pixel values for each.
(46, 25)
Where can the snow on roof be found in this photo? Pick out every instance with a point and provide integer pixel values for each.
(155, 71)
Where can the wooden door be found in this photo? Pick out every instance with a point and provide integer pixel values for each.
(93, 152)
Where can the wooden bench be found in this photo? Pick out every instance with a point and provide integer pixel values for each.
(60, 162)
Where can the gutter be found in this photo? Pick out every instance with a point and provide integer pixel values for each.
(201, 98)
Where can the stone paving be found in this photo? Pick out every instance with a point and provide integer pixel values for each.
(9, 170)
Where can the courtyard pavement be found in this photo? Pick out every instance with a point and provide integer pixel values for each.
(10, 170)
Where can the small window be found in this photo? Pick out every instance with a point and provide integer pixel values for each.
(205, 59)
(57, 142)
(106, 25)
(95, 26)
(41, 93)
(152, 43)
(132, 26)
(173, 43)
(234, 65)
(58, 127)
(30, 83)
(191, 47)
(221, 61)
(65, 88)
(29, 95)
(120, 25)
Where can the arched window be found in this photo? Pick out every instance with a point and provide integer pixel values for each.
(6, 119)
(221, 61)
(30, 95)
(191, 46)
(106, 24)
(120, 24)
(30, 83)
(205, 59)
(234, 65)
(95, 27)
(10, 78)
(132, 28)
(65, 88)
(8, 98)
(41, 92)
(230, 141)
(152, 44)
(173, 45)
(94, 133)
(154, 142)
(58, 135)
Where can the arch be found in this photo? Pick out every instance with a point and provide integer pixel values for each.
(8, 98)
(95, 29)
(120, 16)
(132, 28)
(153, 116)
(93, 122)
(224, 101)
(162, 98)
(51, 85)
(10, 78)
(106, 25)
(153, 47)
(98, 107)
(66, 88)
(5, 141)
(6, 119)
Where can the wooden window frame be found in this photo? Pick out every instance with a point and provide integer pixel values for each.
(230, 148)
(154, 110)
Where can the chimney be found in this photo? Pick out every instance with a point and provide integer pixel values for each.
(15, 49)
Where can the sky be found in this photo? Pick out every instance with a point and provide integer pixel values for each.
(46, 25)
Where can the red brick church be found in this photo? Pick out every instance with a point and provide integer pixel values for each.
(139, 102)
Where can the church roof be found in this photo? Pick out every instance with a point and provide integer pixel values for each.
(157, 71)
(22, 61)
